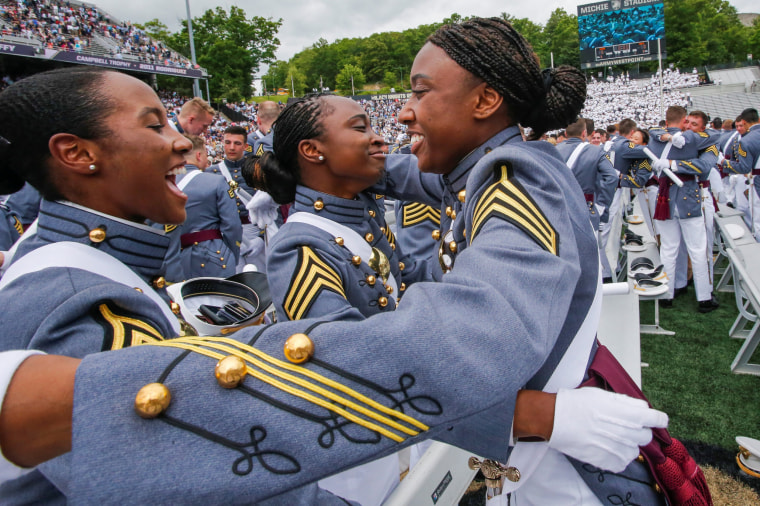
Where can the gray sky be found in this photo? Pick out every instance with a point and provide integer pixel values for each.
(305, 21)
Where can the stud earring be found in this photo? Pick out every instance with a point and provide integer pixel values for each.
(92, 167)
(321, 158)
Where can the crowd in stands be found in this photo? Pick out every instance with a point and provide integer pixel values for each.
(71, 27)
(621, 97)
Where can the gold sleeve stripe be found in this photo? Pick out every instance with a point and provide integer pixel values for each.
(18, 226)
(324, 396)
(311, 276)
(741, 152)
(690, 165)
(389, 235)
(169, 228)
(414, 213)
(713, 149)
(645, 165)
(507, 200)
(126, 331)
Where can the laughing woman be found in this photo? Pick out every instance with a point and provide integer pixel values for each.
(97, 146)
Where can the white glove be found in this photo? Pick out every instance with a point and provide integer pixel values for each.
(262, 210)
(678, 140)
(720, 158)
(660, 164)
(602, 428)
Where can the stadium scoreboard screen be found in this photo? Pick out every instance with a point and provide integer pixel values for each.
(615, 32)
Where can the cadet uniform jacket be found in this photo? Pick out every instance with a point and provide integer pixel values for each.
(211, 206)
(72, 312)
(10, 227)
(634, 173)
(594, 172)
(446, 364)
(311, 274)
(237, 176)
(746, 155)
(25, 203)
(695, 158)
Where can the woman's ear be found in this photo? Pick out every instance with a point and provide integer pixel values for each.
(488, 102)
(311, 150)
(73, 153)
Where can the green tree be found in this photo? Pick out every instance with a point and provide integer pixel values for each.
(231, 47)
(533, 33)
(391, 79)
(348, 74)
(753, 40)
(700, 32)
(155, 28)
(561, 35)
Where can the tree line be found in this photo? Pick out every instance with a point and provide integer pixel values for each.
(232, 47)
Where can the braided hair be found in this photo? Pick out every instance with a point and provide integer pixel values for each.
(300, 120)
(492, 50)
(68, 100)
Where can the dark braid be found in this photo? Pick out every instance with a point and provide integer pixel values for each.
(491, 49)
(36, 108)
(300, 120)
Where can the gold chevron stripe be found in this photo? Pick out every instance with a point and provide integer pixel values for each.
(389, 235)
(414, 213)
(272, 371)
(691, 166)
(311, 277)
(741, 152)
(713, 149)
(169, 228)
(508, 200)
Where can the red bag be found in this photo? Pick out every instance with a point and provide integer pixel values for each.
(674, 470)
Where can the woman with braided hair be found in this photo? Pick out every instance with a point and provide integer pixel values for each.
(518, 306)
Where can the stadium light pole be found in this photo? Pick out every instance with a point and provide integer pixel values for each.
(196, 85)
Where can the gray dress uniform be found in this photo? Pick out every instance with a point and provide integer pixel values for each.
(595, 174)
(25, 203)
(237, 176)
(10, 227)
(634, 174)
(446, 364)
(263, 144)
(416, 226)
(72, 312)
(745, 157)
(313, 273)
(211, 234)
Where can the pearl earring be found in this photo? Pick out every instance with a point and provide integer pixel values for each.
(321, 158)
(92, 167)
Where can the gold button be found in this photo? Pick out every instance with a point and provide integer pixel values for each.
(319, 205)
(436, 235)
(138, 289)
(175, 308)
(339, 241)
(657, 488)
(356, 260)
(512, 474)
(453, 215)
(488, 150)
(97, 235)
(453, 246)
(449, 210)
(221, 258)
(299, 348)
(684, 198)
(371, 280)
(224, 266)
(640, 459)
(159, 282)
(393, 247)
(152, 400)
(218, 252)
(382, 229)
(688, 214)
(401, 266)
(461, 195)
(389, 289)
(195, 243)
(230, 371)
(402, 287)
(382, 301)
(203, 265)
(371, 213)
(369, 237)
(464, 233)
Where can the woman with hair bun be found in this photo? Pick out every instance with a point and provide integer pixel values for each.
(335, 257)
(518, 306)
